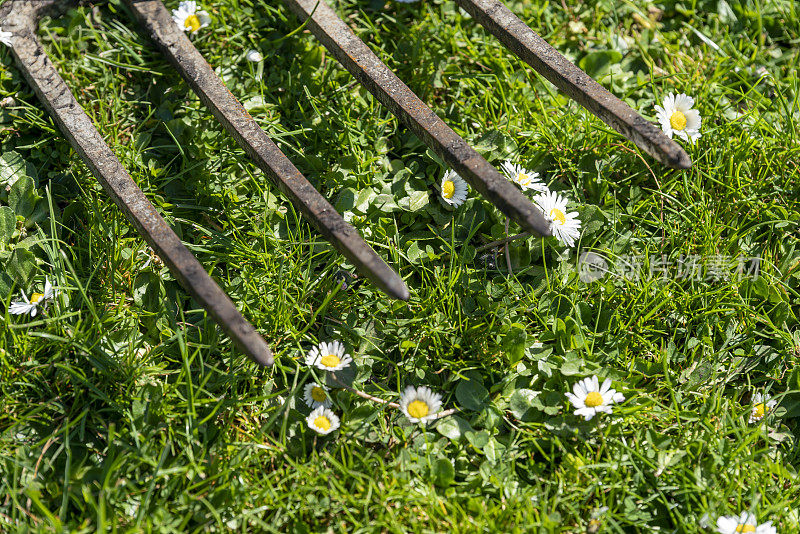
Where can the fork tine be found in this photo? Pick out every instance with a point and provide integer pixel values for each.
(536, 52)
(373, 74)
(20, 17)
(226, 108)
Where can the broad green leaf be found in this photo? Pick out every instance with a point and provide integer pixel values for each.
(22, 197)
(21, 266)
(453, 427)
(596, 64)
(522, 402)
(514, 343)
(13, 167)
(443, 472)
(417, 200)
(8, 224)
(472, 395)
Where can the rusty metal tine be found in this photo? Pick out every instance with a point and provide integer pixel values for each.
(536, 52)
(373, 74)
(182, 54)
(20, 18)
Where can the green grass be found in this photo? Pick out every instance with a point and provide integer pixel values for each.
(125, 408)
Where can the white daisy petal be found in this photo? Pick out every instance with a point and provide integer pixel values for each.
(328, 356)
(421, 404)
(527, 180)
(590, 398)
(677, 117)
(453, 189)
(564, 225)
(316, 395)
(322, 420)
(188, 18)
(5, 37)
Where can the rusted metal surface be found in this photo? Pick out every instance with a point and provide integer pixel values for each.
(180, 51)
(531, 48)
(20, 18)
(370, 71)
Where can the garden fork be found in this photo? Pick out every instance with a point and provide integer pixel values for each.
(20, 17)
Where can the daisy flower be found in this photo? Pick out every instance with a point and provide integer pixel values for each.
(589, 398)
(322, 420)
(677, 117)
(565, 225)
(762, 405)
(420, 404)
(524, 178)
(36, 301)
(188, 18)
(328, 356)
(315, 395)
(454, 189)
(730, 524)
(254, 56)
(5, 37)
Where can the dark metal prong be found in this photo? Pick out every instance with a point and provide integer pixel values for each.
(20, 17)
(182, 54)
(536, 52)
(373, 74)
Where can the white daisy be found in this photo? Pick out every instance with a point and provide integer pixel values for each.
(5, 37)
(454, 189)
(188, 18)
(322, 420)
(762, 405)
(590, 399)
(254, 56)
(677, 117)
(36, 301)
(420, 404)
(565, 225)
(328, 356)
(746, 522)
(524, 178)
(315, 395)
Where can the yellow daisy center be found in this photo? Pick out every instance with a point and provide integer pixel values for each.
(192, 22)
(331, 360)
(418, 409)
(318, 394)
(558, 216)
(36, 297)
(448, 189)
(760, 410)
(593, 399)
(523, 179)
(745, 528)
(322, 422)
(677, 120)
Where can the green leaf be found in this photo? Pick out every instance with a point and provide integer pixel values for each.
(514, 343)
(8, 224)
(597, 64)
(443, 472)
(22, 197)
(417, 200)
(13, 167)
(21, 266)
(477, 439)
(472, 395)
(453, 427)
(521, 403)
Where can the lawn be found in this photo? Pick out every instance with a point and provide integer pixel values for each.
(125, 408)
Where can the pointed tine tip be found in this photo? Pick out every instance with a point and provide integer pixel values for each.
(683, 161)
(391, 284)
